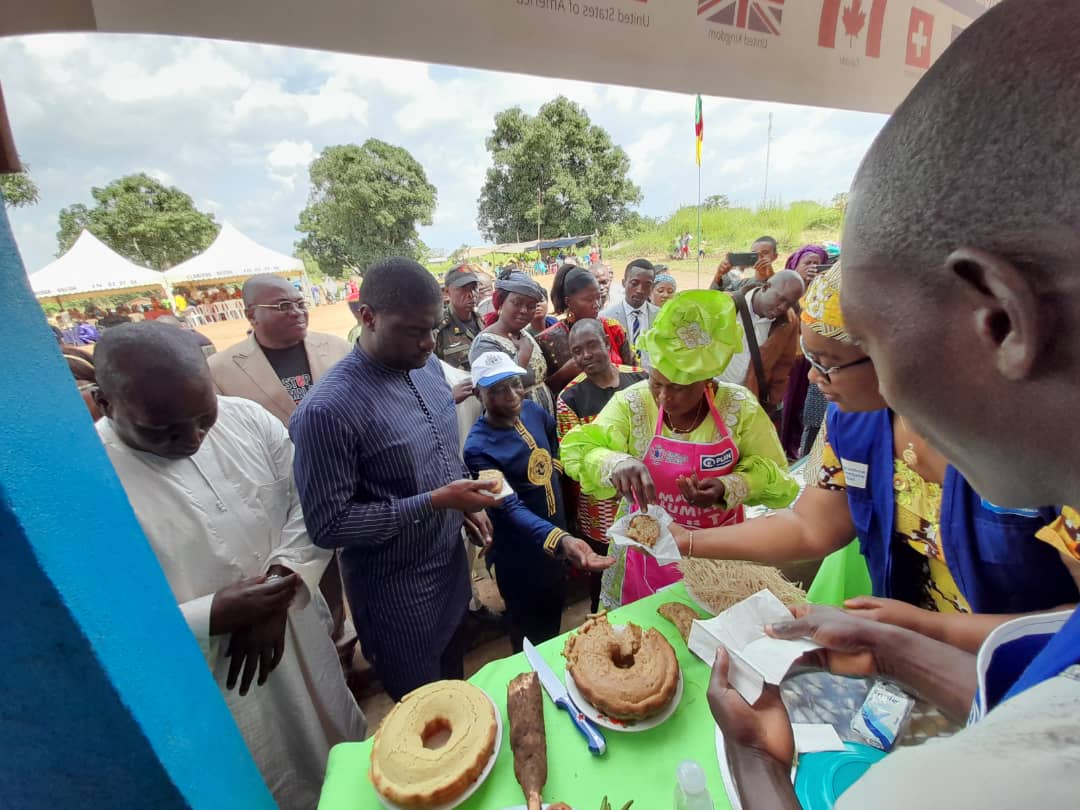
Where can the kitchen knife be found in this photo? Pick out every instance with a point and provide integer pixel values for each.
(557, 692)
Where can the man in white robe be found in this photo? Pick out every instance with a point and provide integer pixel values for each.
(210, 480)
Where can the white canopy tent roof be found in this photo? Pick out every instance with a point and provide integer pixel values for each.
(90, 269)
(233, 257)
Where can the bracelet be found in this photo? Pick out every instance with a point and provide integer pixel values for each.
(690, 551)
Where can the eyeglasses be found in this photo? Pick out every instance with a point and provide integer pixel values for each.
(285, 306)
(827, 372)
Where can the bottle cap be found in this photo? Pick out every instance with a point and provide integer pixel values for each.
(691, 777)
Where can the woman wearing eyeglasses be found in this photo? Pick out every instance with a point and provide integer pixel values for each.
(936, 552)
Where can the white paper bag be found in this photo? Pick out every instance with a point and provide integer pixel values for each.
(666, 549)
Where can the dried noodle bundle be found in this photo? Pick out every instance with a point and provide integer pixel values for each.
(719, 584)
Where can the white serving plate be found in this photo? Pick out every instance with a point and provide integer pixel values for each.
(614, 724)
(484, 774)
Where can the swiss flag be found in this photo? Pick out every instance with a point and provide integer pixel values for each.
(920, 33)
(847, 18)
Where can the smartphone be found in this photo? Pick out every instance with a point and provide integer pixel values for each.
(742, 259)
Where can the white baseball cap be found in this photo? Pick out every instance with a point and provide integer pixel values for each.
(492, 367)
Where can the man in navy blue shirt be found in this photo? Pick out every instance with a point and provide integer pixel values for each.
(380, 476)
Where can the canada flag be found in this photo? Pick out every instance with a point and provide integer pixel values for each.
(851, 14)
(920, 32)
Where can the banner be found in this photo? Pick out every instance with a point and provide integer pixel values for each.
(851, 54)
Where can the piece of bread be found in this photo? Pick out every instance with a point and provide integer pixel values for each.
(680, 615)
(644, 529)
(492, 475)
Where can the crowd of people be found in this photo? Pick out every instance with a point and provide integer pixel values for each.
(296, 472)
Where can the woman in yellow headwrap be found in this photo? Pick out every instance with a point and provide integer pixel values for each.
(700, 449)
(935, 550)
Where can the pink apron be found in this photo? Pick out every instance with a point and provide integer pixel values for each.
(667, 460)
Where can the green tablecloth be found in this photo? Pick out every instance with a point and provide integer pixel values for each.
(639, 766)
(843, 575)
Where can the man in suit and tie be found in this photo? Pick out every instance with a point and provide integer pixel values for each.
(276, 365)
(635, 312)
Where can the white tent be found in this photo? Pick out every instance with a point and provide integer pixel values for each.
(90, 269)
(233, 257)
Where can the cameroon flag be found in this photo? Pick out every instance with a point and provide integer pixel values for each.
(699, 128)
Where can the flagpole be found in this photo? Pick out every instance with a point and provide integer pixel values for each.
(699, 132)
(699, 226)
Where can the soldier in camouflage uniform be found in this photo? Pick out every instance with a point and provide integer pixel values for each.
(459, 325)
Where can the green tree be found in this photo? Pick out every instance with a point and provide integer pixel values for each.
(365, 204)
(717, 202)
(839, 201)
(18, 189)
(152, 224)
(555, 168)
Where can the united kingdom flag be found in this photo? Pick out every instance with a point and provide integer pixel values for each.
(763, 16)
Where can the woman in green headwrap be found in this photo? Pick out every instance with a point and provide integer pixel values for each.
(699, 448)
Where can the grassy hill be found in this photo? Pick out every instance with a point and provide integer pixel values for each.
(734, 229)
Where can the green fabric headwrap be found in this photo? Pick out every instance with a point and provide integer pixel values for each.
(694, 336)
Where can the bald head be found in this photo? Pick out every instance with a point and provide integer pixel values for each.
(265, 296)
(960, 254)
(155, 387)
(779, 294)
(961, 161)
(255, 289)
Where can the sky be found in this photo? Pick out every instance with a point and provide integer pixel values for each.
(236, 125)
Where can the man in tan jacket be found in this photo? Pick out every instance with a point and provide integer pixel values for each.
(276, 365)
(279, 362)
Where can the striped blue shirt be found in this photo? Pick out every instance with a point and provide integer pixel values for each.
(372, 443)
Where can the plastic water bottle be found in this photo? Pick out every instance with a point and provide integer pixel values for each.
(691, 789)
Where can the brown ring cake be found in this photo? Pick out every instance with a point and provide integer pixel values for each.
(406, 771)
(628, 674)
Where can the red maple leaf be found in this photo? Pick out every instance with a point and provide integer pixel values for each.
(853, 18)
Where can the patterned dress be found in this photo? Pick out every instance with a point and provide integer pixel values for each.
(921, 575)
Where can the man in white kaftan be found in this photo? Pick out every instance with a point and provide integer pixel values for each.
(229, 512)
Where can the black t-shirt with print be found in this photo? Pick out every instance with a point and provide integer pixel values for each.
(292, 368)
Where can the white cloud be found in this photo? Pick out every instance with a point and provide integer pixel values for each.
(235, 126)
(291, 154)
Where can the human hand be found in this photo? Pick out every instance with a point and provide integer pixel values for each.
(478, 526)
(247, 601)
(632, 480)
(852, 645)
(764, 727)
(258, 646)
(703, 493)
(723, 268)
(524, 352)
(889, 611)
(580, 555)
(763, 269)
(465, 495)
(462, 391)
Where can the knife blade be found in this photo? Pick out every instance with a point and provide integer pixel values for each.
(559, 696)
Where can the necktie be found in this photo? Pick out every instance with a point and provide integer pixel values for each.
(635, 330)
